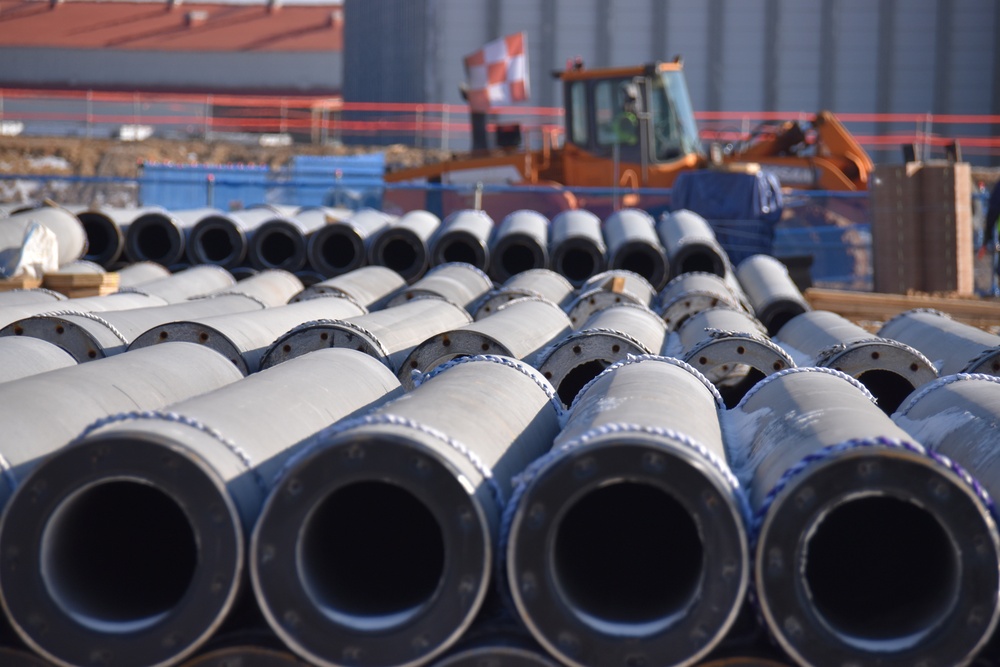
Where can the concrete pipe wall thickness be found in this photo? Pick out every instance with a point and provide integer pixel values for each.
(162, 236)
(628, 541)
(389, 334)
(953, 347)
(542, 283)
(463, 237)
(371, 286)
(341, 245)
(869, 550)
(461, 284)
(773, 295)
(576, 245)
(522, 329)
(413, 493)
(519, 243)
(403, 245)
(633, 245)
(891, 370)
(137, 549)
(89, 336)
(690, 244)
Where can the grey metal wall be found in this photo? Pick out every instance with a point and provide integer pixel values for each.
(265, 71)
(850, 56)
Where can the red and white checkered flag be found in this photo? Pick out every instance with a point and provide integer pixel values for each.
(498, 73)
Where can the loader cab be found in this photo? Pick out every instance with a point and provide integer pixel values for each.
(645, 111)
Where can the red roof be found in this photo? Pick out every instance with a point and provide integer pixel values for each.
(152, 26)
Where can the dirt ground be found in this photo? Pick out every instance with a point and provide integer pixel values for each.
(107, 157)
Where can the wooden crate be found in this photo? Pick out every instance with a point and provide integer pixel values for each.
(75, 285)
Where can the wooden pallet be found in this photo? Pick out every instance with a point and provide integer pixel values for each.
(20, 282)
(873, 309)
(75, 285)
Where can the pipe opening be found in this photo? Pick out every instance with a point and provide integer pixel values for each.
(881, 569)
(153, 242)
(399, 255)
(338, 251)
(277, 248)
(216, 245)
(889, 387)
(119, 555)
(641, 262)
(577, 265)
(99, 234)
(517, 258)
(735, 387)
(458, 251)
(643, 557)
(578, 377)
(371, 554)
(698, 262)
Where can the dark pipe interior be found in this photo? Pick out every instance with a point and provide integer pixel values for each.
(641, 262)
(99, 234)
(277, 248)
(457, 250)
(119, 552)
(372, 549)
(698, 262)
(399, 255)
(338, 251)
(153, 242)
(517, 258)
(577, 265)
(628, 553)
(879, 568)
(578, 377)
(216, 244)
(890, 388)
(733, 393)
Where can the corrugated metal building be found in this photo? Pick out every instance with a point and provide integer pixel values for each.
(850, 56)
(271, 47)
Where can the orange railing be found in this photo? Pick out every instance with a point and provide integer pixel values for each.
(326, 119)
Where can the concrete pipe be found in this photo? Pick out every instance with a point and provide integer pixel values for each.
(187, 284)
(389, 334)
(106, 228)
(81, 266)
(341, 246)
(403, 245)
(17, 658)
(248, 655)
(627, 542)
(271, 287)
(576, 245)
(773, 295)
(138, 273)
(690, 293)
(690, 244)
(463, 237)
(69, 232)
(541, 283)
(89, 336)
(96, 304)
(243, 338)
(954, 347)
(376, 546)
(162, 236)
(869, 551)
(223, 238)
(607, 289)
(280, 243)
(891, 370)
(462, 284)
(495, 640)
(519, 243)
(731, 349)
(136, 550)
(521, 329)
(371, 286)
(309, 277)
(19, 297)
(610, 335)
(633, 245)
(24, 357)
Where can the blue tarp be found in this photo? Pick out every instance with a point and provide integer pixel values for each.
(719, 195)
